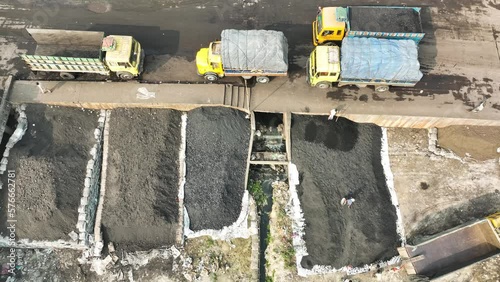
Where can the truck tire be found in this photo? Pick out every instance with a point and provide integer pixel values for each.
(323, 85)
(262, 79)
(211, 77)
(125, 75)
(381, 88)
(67, 76)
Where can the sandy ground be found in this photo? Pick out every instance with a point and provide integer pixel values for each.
(437, 193)
(50, 163)
(141, 207)
(216, 154)
(336, 159)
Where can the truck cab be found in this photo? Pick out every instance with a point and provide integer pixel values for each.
(323, 66)
(123, 55)
(330, 25)
(209, 62)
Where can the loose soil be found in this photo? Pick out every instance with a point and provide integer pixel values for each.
(216, 156)
(437, 193)
(480, 142)
(50, 164)
(140, 205)
(334, 159)
(213, 260)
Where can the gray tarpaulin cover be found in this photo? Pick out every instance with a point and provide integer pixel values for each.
(373, 58)
(254, 50)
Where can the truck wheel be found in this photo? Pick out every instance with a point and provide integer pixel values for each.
(125, 75)
(211, 77)
(381, 88)
(262, 79)
(323, 85)
(66, 76)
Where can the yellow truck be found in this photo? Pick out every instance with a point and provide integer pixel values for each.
(332, 24)
(71, 52)
(363, 62)
(245, 53)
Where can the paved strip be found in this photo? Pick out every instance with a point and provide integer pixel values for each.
(117, 94)
(281, 95)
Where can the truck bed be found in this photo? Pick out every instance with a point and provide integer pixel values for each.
(373, 61)
(229, 72)
(67, 51)
(455, 249)
(67, 43)
(385, 19)
(254, 52)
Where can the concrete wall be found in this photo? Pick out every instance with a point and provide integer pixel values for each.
(5, 104)
(90, 196)
(418, 121)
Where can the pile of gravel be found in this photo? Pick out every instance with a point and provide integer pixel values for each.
(216, 155)
(335, 159)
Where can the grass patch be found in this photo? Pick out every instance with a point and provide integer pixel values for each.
(257, 192)
(288, 252)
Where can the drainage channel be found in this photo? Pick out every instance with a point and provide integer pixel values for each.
(268, 163)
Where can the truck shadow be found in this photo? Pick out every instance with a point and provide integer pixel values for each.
(154, 40)
(427, 52)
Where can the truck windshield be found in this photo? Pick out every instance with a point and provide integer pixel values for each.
(133, 53)
(319, 23)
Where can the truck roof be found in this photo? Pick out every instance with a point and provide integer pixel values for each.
(385, 19)
(330, 19)
(121, 53)
(327, 59)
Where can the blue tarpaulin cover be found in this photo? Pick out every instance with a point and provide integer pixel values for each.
(381, 59)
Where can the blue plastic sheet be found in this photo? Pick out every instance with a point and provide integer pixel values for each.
(379, 59)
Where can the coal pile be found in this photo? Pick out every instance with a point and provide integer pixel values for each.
(335, 159)
(141, 207)
(378, 19)
(50, 164)
(216, 156)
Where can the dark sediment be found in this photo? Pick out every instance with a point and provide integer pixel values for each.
(335, 159)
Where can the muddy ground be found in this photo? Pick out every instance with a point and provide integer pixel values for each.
(437, 193)
(477, 142)
(216, 156)
(50, 164)
(141, 207)
(335, 159)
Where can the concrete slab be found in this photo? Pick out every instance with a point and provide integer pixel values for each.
(399, 107)
(118, 94)
(392, 109)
